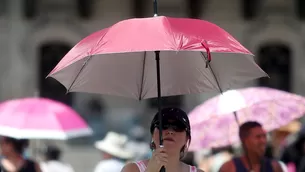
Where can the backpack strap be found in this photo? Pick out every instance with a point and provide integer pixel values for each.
(141, 166)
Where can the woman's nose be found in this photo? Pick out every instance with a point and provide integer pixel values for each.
(170, 131)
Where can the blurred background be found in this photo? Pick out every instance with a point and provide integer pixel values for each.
(36, 34)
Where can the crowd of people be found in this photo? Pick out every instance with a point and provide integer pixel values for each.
(120, 154)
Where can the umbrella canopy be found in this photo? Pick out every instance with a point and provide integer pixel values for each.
(120, 60)
(270, 107)
(195, 56)
(40, 118)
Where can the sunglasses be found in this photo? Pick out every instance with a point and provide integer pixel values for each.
(176, 126)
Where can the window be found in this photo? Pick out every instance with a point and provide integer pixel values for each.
(85, 8)
(194, 8)
(30, 8)
(4, 5)
(250, 8)
(275, 59)
(300, 9)
(49, 55)
(138, 8)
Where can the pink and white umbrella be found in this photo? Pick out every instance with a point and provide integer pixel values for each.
(213, 123)
(40, 118)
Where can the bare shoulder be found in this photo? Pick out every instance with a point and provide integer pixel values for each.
(37, 167)
(198, 170)
(227, 167)
(276, 166)
(130, 167)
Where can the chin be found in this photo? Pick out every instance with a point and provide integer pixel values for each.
(171, 147)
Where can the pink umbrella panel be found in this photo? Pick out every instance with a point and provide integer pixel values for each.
(214, 126)
(40, 118)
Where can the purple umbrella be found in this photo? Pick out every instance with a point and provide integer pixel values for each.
(214, 125)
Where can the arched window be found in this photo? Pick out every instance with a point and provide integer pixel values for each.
(250, 9)
(50, 53)
(275, 59)
(300, 9)
(194, 8)
(30, 8)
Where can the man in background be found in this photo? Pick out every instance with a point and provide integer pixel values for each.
(254, 141)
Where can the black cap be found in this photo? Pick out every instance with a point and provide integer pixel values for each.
(171, 113)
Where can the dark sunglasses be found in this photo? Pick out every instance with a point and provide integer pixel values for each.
(176, 126)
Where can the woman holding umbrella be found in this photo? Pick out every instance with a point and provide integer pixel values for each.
(176, 138)
(13, 161)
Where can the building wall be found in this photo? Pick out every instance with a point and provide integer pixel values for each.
(19, 39)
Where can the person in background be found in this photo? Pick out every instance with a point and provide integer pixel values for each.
(219, 156)
(13, 160)
(114, 152)
(254, 142)
(176, 139)
(140, 150)
(52, 163)
(137, 143)
(294, 154)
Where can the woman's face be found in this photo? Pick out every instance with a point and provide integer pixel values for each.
(5, 146)
(174, 136)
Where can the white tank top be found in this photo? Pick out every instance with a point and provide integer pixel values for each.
(142, 167)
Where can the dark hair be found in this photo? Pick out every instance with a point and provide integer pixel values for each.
(173, 113)
(18, 144)
(52, 153)
(189, 159)
(245, 128)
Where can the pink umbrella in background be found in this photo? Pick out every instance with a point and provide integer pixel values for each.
(40, 118)
(214, 125)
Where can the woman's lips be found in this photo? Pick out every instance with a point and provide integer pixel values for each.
(169, 139)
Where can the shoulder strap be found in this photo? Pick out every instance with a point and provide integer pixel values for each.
(141, 165)
(239, 166)
(267, 165)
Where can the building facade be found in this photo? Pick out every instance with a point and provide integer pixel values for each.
(35, 35)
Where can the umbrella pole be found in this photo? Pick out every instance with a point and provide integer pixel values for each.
(155, 8)
(157, 53)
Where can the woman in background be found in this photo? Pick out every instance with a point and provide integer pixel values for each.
(13, 160)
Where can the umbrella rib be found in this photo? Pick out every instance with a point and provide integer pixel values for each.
(212, 71)
(83, 66)
(142, 79)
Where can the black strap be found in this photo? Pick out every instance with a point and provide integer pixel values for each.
(266, 165)
(239, 166)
